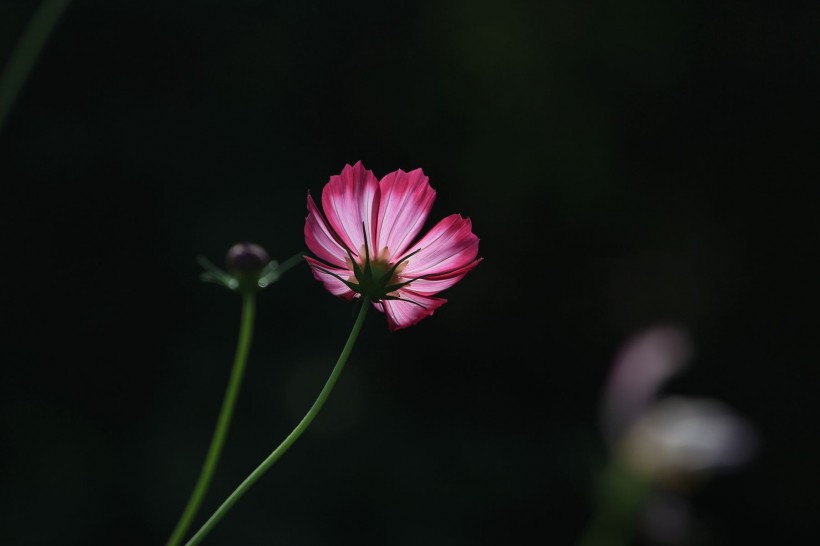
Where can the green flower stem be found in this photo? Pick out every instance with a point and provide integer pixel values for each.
(26, 52)
(621, 499)
(222, 425)
(292, 437)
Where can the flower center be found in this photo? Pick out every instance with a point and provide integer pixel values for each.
(377, 278)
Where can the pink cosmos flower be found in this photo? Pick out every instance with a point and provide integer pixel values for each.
(365, 245)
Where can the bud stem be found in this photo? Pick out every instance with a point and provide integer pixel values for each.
(292, 437)
(222, 425)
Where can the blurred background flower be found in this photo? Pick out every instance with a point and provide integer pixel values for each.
(662, 447)
(666, 439)
(682, 440)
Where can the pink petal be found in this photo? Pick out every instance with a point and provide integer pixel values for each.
(434, 284)
(320, 239)
(401, 314)
(333, 285)
(406, 200)
(350, 199)
(449, 246)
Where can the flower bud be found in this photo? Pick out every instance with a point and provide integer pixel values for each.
(246, 261)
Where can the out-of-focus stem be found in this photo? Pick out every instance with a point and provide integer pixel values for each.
(621, 498)
(25, 53)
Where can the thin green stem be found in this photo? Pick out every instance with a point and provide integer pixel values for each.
(222, 425)
(25, 53)
(292, 437)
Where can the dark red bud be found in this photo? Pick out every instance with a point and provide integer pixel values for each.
(245, 259)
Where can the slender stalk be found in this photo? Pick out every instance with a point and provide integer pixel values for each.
(222, 425)
(25, 53)
(292, 437)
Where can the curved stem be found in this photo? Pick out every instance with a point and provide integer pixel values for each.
(222, 425)
(26, 52)
(292, 437)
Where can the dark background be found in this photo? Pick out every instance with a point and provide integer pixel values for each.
(624, 164)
